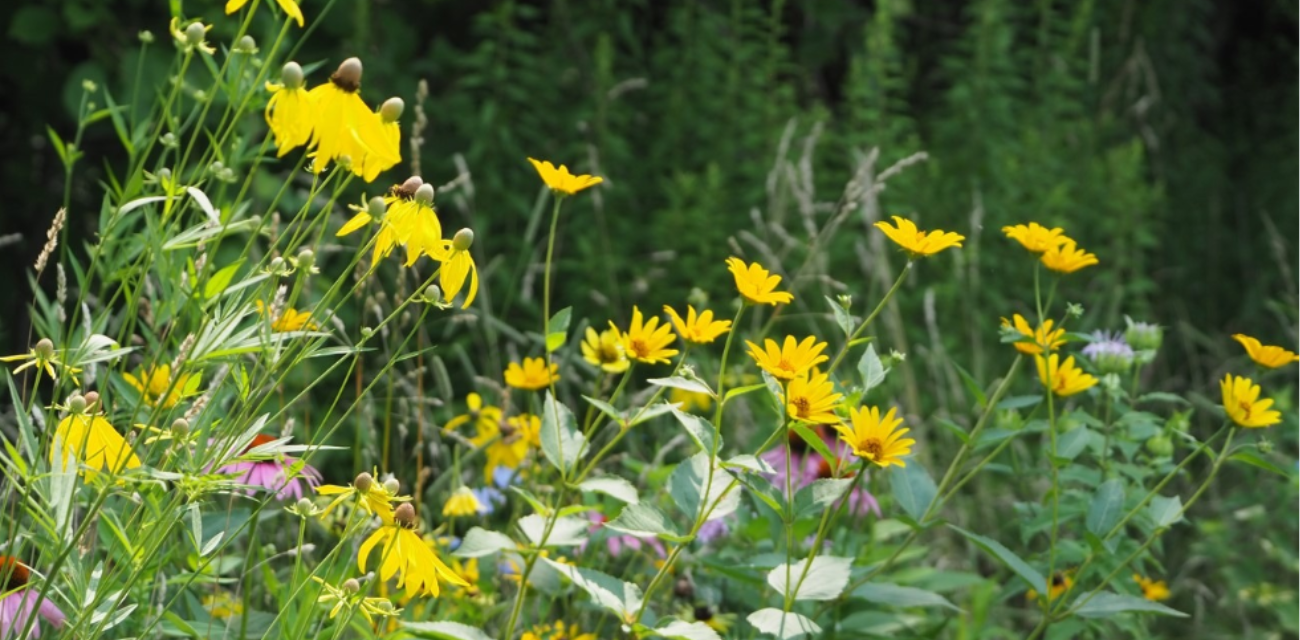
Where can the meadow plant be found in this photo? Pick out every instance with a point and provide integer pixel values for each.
(223, 430)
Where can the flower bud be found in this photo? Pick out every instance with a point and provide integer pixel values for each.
(392, 486)
(363, 482)
(1113, 362)
(145, 36)
(1265, 446)
(424, 194)
(1143, 336)
(305, 505)
(404, 514)
(306, 258)
(385, 606)
(344, 161)
(392, 109)
(463, 240)
(277, 264)
(376, 207)
(246, 44)
(351, 586)
(1160, 446)
(348, 75)
(291, 75)
(76, 403)
(89, 85)
(168, 140)
(44, 349)
(165, 173)
(180, 428)
(433, 293)
(92, 401)
(194, 34)
(366, 332)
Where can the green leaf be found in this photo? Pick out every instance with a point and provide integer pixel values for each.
(699, 429)
(622, 598)
(842, 317)
(819, 495)
(685, 384)
(562, 443)
(1071, 443)
(736, 392)
(1105, 507)
(609, 410)
(221, 279)
(687, 487)
(643, 521)
(871, 369)
(612, 486)
(530, 499)
(826, 578)
(813, 440)
(639, 415)
(971, 386)
(445, 630)
(35, 25)
(1007, 557)
(1161, 396)
(567, 532)
(896, 596)
(954, 428)
(1019, 402)
(1165, 512)
(680, 630)
(913, 488)
(557, 330)
(1256, 461)
(782, 625)
(1106, 604)
(749, 463)
(479, 542)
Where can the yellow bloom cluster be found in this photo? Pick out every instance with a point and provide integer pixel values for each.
(1241, 398)
(1058, 251)
(1044, 338)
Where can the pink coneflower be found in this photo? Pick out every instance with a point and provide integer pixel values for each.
(272, 474)
(616, 543)
(807, 466)
(17, 602)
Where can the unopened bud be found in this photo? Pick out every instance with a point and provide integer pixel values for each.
(376, 207)
(344, 161)
(164, 173)
(306, 258)
(145, 36)
(246, 44)
(168, 140)
(44, 348)
(351, 586)
(385, 606)
(1143, 336)
(424, 195)
(180, 427)
(366, 332)
(277, 264)
(89, 85)
(433, 293)
(363, 482)
(392, 109)
(291, 75)
(305, 505)
(1160, 446)
(92, 400)
(1265, 446)
(77, 403)
(194, 34)
(463, 240)
(392, 486)
(404, 514)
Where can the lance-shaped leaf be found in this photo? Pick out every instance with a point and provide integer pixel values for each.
(562, 443)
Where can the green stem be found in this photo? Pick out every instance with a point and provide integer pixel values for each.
(865, 323)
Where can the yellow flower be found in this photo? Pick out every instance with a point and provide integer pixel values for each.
(406, 553)
(462, 502)
(1241, 401)
(756, 284)
(646, 341)
(604, 350)
(157, 387)
(379, 137)
(812, 398)
(222, 606)
(916, 242)
(94, 442)
(43, 357)
(875, 438)
(556, 631)
(1063, 378)
(349, 597)
(1044, 338)
(289, 7)
(1265, 356)
(485, 419)
(790, 360)
(458, 266)
(1067, 259)
(290, 113)
(371, 496)
(289, 320)
(522, 433)
(533, 375)
(560, 180)
(1035, 237)
(701, 329)
(1060, 583)
(690, 400)
(1153, 590)
(340, 111)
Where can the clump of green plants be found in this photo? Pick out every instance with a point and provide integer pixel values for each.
(236, 419)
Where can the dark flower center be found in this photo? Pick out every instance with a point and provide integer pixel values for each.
(258, 440)
(874, 448)
(12, 574)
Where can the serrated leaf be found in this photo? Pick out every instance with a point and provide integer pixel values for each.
(813, 440)
(871, 369)
(782, 625)
(567, 532)
(699, 429)
(1105, 507)
(643, 521)
(749, 463)
(681, 630)
(1106, 604)
(1006, 557)
(1164, 511)
(613, 487)
(1256, 461)
(529, 498)
(819, 495)
(913, 488)
(736, 392)
(622, 598)
(221, 279)
(637, 416)
(842, 317)
(1019, 402)
(479, 542)
(898, 596)
(608, 409)
(687, 487)
(1071, 443)
(445, 630)
(562, 443)
(685, 384)
(826, 578)
(971, 385)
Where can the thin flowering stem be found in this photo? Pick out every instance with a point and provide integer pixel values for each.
(1056, 490)
(828, 516)
(839, 357)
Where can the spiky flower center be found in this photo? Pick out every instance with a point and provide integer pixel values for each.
(873, 447)
(802, 406)
(12, 574)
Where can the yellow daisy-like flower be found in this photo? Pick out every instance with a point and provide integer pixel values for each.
(289, 7)
(789, 360)
(1241, 401)
(916, 242)
(812, 399)
(1265, 356)
(646, 340)
(222, 605)
(340, 112)
(290, 113)
(94, 442)
(458, 267)
(604, 350)
(533, 375)
(756, 284)
(379, 136)
(1153, 590)
(371, 496)
(43, 357)
(561, 181)
(1060, 583)
(556, 631)
(1035, 237)
(462, 502)
(1045, 338)
(1063, 378)
(406, 553)
(690, 400)
(485, 419)
(1067, 258)
(522, 433)
(700, 329)
(876, 438)
(289, 320)
(157, 387)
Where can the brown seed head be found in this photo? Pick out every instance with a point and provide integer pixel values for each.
(348, 77)
(404, 514)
